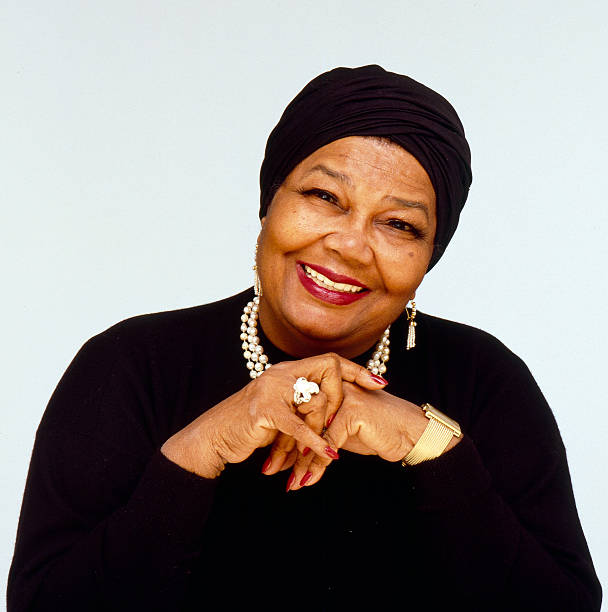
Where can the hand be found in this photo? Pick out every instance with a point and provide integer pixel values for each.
(251, 418)
(368, 423)
(335, 370)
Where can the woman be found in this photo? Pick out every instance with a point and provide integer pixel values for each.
(153, 483)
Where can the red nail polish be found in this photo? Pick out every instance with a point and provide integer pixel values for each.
(305, 478)
(331, 418)
(290, 481)
(305, 451)
(266, 464)
(378, 379)
(331, 453)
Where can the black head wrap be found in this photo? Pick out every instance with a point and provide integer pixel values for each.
(369, 101)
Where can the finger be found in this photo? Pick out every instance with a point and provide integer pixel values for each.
(314, 412)
(282, 447)
(287, 422)
(300, 470)
(331, 370)
(336, 436)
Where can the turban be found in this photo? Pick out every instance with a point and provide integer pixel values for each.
(370, 101)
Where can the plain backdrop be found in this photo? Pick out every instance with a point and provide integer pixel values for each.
(131, 134)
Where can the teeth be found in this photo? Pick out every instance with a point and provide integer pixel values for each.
(323, 281)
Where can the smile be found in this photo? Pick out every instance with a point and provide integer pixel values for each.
(323, 281)
(336, 291)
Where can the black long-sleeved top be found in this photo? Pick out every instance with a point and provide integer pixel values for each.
(108, 523)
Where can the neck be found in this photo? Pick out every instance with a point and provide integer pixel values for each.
(297, 343)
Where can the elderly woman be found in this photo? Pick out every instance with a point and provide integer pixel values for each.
(153, 481)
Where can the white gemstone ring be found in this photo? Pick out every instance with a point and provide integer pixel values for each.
(303, 390)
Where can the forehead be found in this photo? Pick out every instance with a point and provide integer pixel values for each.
(368, 161)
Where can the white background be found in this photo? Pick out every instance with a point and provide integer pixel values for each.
(131, 135)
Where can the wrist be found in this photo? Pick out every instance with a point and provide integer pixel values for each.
(205, 462)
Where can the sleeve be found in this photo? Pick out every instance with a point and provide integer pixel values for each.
(501, 526)
(107, 522)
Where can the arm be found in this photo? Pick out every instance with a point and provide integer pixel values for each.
(494, 516)
(109, 522)
(104, 513)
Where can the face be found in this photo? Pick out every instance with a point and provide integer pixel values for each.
(346, 241)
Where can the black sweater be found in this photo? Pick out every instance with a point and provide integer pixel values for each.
(108, 523)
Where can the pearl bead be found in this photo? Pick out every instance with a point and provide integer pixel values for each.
(257, 362)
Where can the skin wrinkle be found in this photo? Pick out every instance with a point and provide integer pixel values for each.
(351, 236)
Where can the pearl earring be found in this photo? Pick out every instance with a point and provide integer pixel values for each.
(411, 328)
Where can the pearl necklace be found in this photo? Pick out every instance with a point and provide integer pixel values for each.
(257, 361)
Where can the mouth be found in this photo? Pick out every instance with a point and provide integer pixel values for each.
(329, 286)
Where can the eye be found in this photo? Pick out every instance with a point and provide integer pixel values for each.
(404, 226)
(321, 194)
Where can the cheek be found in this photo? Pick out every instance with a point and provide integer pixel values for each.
(292, 227)
(404, 271)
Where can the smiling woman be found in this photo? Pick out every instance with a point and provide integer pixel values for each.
(358, 211)
(153, 483)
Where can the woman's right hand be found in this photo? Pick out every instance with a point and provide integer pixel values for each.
(251, 418)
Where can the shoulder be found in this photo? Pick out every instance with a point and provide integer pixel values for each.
(461, 341)
(170, 331)
(143, 357)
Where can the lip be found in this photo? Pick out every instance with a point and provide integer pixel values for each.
(333, 276)
(340, 298)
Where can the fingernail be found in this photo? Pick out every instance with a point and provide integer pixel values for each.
(266, 464)
(305, 451)
(331, 418)
(331, 453)
(305, 478)
(290, 481)
(378, 379)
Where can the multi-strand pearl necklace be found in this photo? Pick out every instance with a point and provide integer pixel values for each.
(257, 361)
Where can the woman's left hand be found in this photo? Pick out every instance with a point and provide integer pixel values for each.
(367, 423)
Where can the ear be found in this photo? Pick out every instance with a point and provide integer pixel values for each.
(263, 220)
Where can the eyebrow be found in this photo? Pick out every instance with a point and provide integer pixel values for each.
(344, 178)
(410, 204)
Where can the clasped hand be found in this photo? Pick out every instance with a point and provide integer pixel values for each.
(351, 412)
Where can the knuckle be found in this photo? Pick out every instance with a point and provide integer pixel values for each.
(333, 359)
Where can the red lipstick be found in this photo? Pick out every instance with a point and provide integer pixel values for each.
(339, 298)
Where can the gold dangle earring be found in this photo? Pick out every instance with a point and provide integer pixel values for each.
(257, 285)
(411, 328)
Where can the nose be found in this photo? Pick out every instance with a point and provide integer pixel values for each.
(349, 240)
